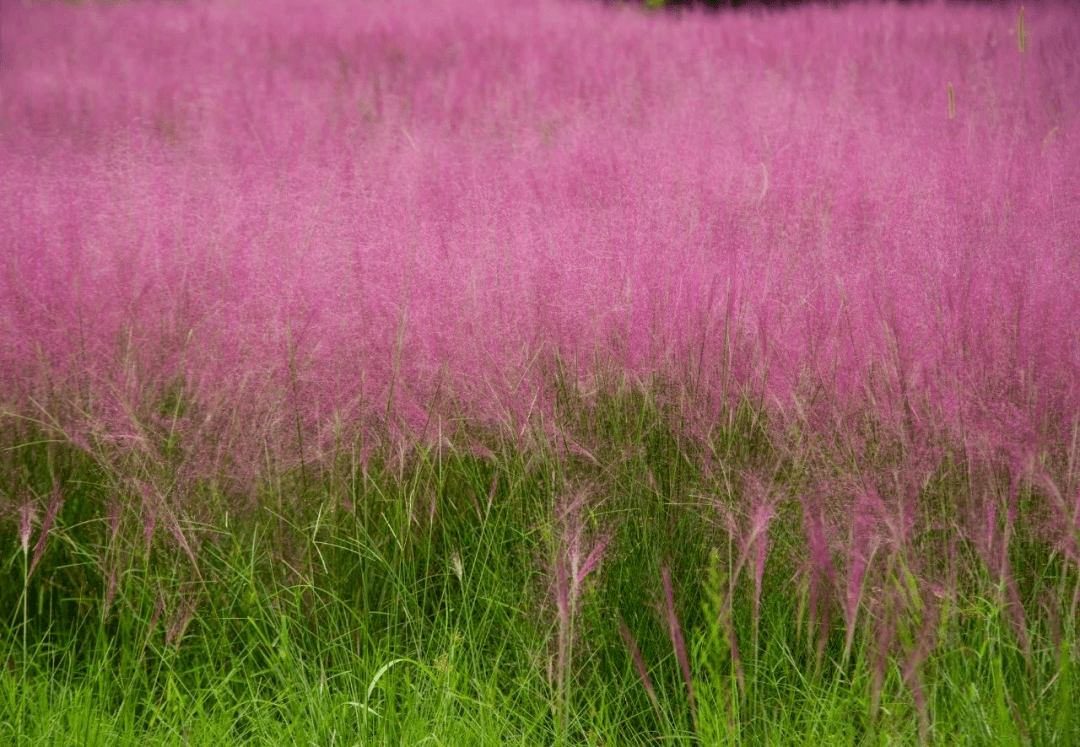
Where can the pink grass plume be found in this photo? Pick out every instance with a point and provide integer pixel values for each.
(677, 642)
(593, 558)
(639, 665)
(46, 527)
(27, 514)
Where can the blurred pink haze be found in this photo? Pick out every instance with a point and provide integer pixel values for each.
(390, 215)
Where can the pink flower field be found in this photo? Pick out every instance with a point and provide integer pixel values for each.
(541, 309)
(397, 215)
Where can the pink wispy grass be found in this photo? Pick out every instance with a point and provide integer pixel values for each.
(639, 665)
(342, 216)
(571, 568)
(55, 502)
(678, 643)
(820, 573)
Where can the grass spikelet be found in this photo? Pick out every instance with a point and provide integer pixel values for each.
(821, 577)
(864, 544)
(27, 514)
(678, 643)
(55, 502)
(639, 665)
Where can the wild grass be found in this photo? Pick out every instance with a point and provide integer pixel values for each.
(466, 373)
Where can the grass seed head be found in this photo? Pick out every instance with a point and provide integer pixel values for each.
(27, 516)
(678, 643)
(46, 526)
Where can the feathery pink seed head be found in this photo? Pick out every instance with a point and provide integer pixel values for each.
(677, 642)
(114, 520)
(110, 591)
(639, 662)
(27, 515)
(594, 558)
(562, 592)
(180, 622)
(46, 526)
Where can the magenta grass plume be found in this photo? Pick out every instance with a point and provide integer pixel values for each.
(345, 236)
(55, 502)
(678, 643)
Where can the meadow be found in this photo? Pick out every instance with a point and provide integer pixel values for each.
(470, 372)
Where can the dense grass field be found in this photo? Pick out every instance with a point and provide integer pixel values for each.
(470, 372)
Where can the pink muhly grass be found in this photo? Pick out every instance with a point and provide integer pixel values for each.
(512, 221)
(728, 625)
(1067, 518)
(563, 602)
(571, 571)
(46, 526)
(153, 506)
(920, 651)
(114, 555)
(180, 622)
(173, 525)
(1067, 525)
(149, 514)
(858, 564)
(159, 608)
(111, 587)
(883, 643)
(574, 447)
(677, 642)
(564, 655)
(863, 546)
(593, 559)
(1015, 607)
(822, 574)
(113, 521)
(756, 548)
(760, 543)
(492, 489)
(27, 515)
(639, 665)
(992, 543)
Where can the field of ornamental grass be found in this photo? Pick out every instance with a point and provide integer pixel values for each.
(474, 372)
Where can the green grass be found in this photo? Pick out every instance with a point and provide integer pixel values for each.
(416, 601)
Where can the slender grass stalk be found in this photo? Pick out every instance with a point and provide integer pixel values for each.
(24, 539)
(678, 643)
(293, 384)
